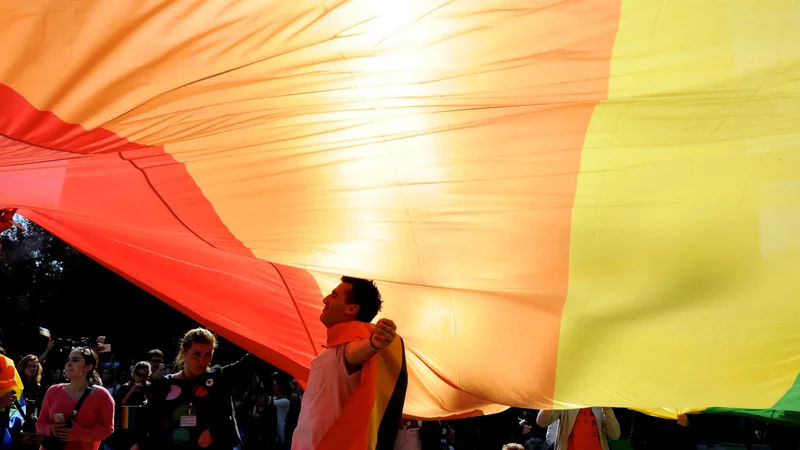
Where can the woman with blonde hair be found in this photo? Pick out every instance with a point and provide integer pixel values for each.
(193, 408)
(30, 371)
(80, 414)
(513, 446)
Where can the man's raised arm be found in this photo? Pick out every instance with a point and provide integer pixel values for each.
(356, 353)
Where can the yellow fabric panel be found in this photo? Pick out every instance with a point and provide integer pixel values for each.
(668, 413)
(389, 366)
(685, 247)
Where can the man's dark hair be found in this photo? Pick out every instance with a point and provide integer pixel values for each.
(366, 295)
(154, 352)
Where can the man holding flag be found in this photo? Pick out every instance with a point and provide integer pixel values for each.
(357, 385)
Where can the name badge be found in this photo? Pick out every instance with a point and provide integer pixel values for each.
(188, 421)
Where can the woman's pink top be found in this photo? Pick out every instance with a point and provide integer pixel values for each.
(94, 422)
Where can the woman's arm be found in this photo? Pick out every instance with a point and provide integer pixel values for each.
(45, 421)
(103, 406)
(124, 397)
(46, 352)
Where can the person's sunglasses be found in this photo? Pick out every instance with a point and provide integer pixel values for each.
(142, 375)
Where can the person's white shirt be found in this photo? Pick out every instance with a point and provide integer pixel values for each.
(282, 405)
(552, 433)
(329, 388)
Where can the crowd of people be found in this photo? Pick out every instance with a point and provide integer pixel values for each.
(95, 402)
(261, 415)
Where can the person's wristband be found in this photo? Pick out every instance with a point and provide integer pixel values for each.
(370, 342)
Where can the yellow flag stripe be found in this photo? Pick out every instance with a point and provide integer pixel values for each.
(684, 243)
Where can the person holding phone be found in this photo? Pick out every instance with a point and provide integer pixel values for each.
(158, 369)
(80, 414)
(129, 402)
(133, 392)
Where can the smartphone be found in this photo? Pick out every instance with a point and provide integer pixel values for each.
(58, 417)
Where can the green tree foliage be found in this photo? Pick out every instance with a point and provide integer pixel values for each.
(34, 265)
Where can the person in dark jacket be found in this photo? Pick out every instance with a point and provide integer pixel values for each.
(193, 408)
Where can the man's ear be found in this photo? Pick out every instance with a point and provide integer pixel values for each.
(353, 309)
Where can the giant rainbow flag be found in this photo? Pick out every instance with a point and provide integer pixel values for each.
(588, 202)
